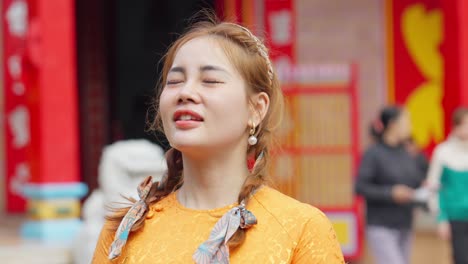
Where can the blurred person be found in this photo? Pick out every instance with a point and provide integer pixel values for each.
(220, 104)
(421, 195)
(448, 174)
(387, 178)
(415, 151)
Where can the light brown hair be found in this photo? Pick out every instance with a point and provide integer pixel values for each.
(249, 56)
(458, 115)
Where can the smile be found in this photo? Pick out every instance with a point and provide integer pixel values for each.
(187, 115)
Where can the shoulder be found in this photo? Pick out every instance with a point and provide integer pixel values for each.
(373, 150)
(278, 202)
(376, 147)
(442, 150)
(308, 228)
(371, 155)
(291, 214)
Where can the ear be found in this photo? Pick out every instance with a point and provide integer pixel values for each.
(259, 104)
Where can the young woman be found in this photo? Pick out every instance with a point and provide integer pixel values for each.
(220, 105)
(387, 177)
(448, 174)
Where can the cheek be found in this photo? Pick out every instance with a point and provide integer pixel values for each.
(232, 114)
(405, 126)
(164, 103)
(464, 129)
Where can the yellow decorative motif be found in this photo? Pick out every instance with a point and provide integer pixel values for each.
(422, 34)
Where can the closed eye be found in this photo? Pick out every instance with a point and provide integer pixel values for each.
(210, 81)
(173, 82)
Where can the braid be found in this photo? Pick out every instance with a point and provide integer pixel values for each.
(261, 48)
(257, 176)
(251, 184)
(170, 182)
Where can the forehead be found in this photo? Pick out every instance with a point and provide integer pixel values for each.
(204, 50)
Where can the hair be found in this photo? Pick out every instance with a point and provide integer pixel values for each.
(386, 117)
(458, 115)
(249, 56)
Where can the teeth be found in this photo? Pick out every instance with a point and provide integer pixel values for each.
(185, 117)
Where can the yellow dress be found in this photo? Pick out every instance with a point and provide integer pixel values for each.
(287, 232)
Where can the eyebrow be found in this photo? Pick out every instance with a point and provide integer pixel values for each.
(177, 69)
(212, 68)
(202, 69)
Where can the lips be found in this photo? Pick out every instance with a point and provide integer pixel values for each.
(187, 115)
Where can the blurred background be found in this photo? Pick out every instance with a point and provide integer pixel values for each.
(78, 77)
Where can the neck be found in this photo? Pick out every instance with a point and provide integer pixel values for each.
(391, 140)
(460, 142)
(214, 180)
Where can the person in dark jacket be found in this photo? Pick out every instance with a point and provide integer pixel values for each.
(387, 179)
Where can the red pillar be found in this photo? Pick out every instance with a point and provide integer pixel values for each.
(455, 49)
(463, 23)
(48, 64)
(57, 92)
(17, 108)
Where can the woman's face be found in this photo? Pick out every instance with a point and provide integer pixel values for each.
(461, 130)
(204, 101)
(401, 127)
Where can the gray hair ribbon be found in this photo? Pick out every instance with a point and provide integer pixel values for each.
(215, 249)
(133, 215)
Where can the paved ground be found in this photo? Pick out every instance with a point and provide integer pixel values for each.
(14, 250)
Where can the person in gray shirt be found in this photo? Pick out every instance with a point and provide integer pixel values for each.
(387, 178)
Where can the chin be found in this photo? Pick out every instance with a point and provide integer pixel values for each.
(188, 145)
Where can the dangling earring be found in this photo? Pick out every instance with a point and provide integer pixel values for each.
(252, 139)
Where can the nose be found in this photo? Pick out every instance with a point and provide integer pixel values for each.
(188, 93)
